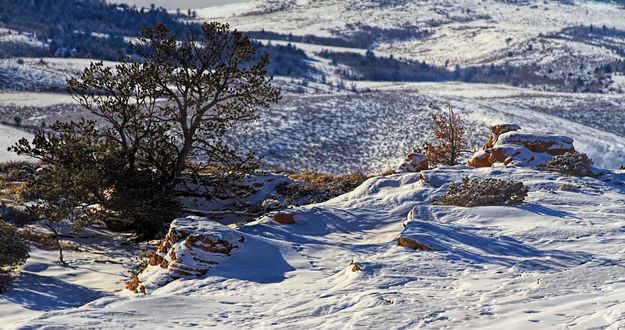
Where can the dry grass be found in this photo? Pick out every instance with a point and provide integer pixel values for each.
(13, 176)
(312, 187)
(46, 241)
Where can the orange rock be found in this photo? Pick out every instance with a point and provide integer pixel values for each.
(356, 268)
(410, 243)
(480, 159)
(155, 259)
(415, 162)
(284, 218)
(551, 144)
(133, 285)
(497, 130)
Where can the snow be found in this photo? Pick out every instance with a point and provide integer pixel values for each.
(8, 136)
(552, 262)
(34, 99)
(227, 10)
(98, 269)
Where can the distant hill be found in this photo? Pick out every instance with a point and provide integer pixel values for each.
(79, 28)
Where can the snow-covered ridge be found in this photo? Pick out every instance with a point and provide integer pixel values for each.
(553, 261)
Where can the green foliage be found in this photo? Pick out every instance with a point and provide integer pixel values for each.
(486, 192)
(14, 252)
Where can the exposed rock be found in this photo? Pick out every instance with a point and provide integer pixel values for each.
(551, 144)
(480, 159)
(356, 267)
(415, 162)
(192, 245)
(410, 243)
(507, 146)
(284, 218)
(498, 129)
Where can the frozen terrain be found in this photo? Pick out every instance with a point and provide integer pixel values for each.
(554, 261)
(373, 131)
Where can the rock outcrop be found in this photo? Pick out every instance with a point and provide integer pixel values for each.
(192, 246)
(507, 146)
(416, 161)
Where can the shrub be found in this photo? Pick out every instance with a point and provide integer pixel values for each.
(577, 164)
(13, 253)
(568, 187)
(485, 192)
(450, 141)
(315, 187)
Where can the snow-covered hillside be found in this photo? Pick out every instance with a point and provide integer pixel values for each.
(556, 43)
(554, 261)
(373, 131)
(464, 32)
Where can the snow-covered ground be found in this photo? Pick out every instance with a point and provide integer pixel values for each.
(8, 136)
(555, 261)
(99, 268)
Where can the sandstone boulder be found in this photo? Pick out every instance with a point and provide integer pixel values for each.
(412, 244)
(192, 246)
(545, 143)
(415, 162)
(498, 129)
(507, 146)
(480, 159)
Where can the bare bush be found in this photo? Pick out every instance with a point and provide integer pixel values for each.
(449, 136)
(485, 192)
(577, 164)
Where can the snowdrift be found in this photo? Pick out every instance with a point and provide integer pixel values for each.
(554, 261)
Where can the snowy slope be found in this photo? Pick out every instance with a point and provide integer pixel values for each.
(370, 132)
(464, 32)
(553, 262)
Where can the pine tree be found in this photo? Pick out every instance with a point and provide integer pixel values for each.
(133, 165)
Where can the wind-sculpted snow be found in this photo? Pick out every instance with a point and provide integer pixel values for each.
(551, 262)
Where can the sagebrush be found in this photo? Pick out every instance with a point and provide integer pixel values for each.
(484, 192)
(571, 163)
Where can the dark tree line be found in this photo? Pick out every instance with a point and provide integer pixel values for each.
(83, 28)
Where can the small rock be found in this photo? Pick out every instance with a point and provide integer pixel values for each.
(415, 162)
(410, 243)
(284, 218)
